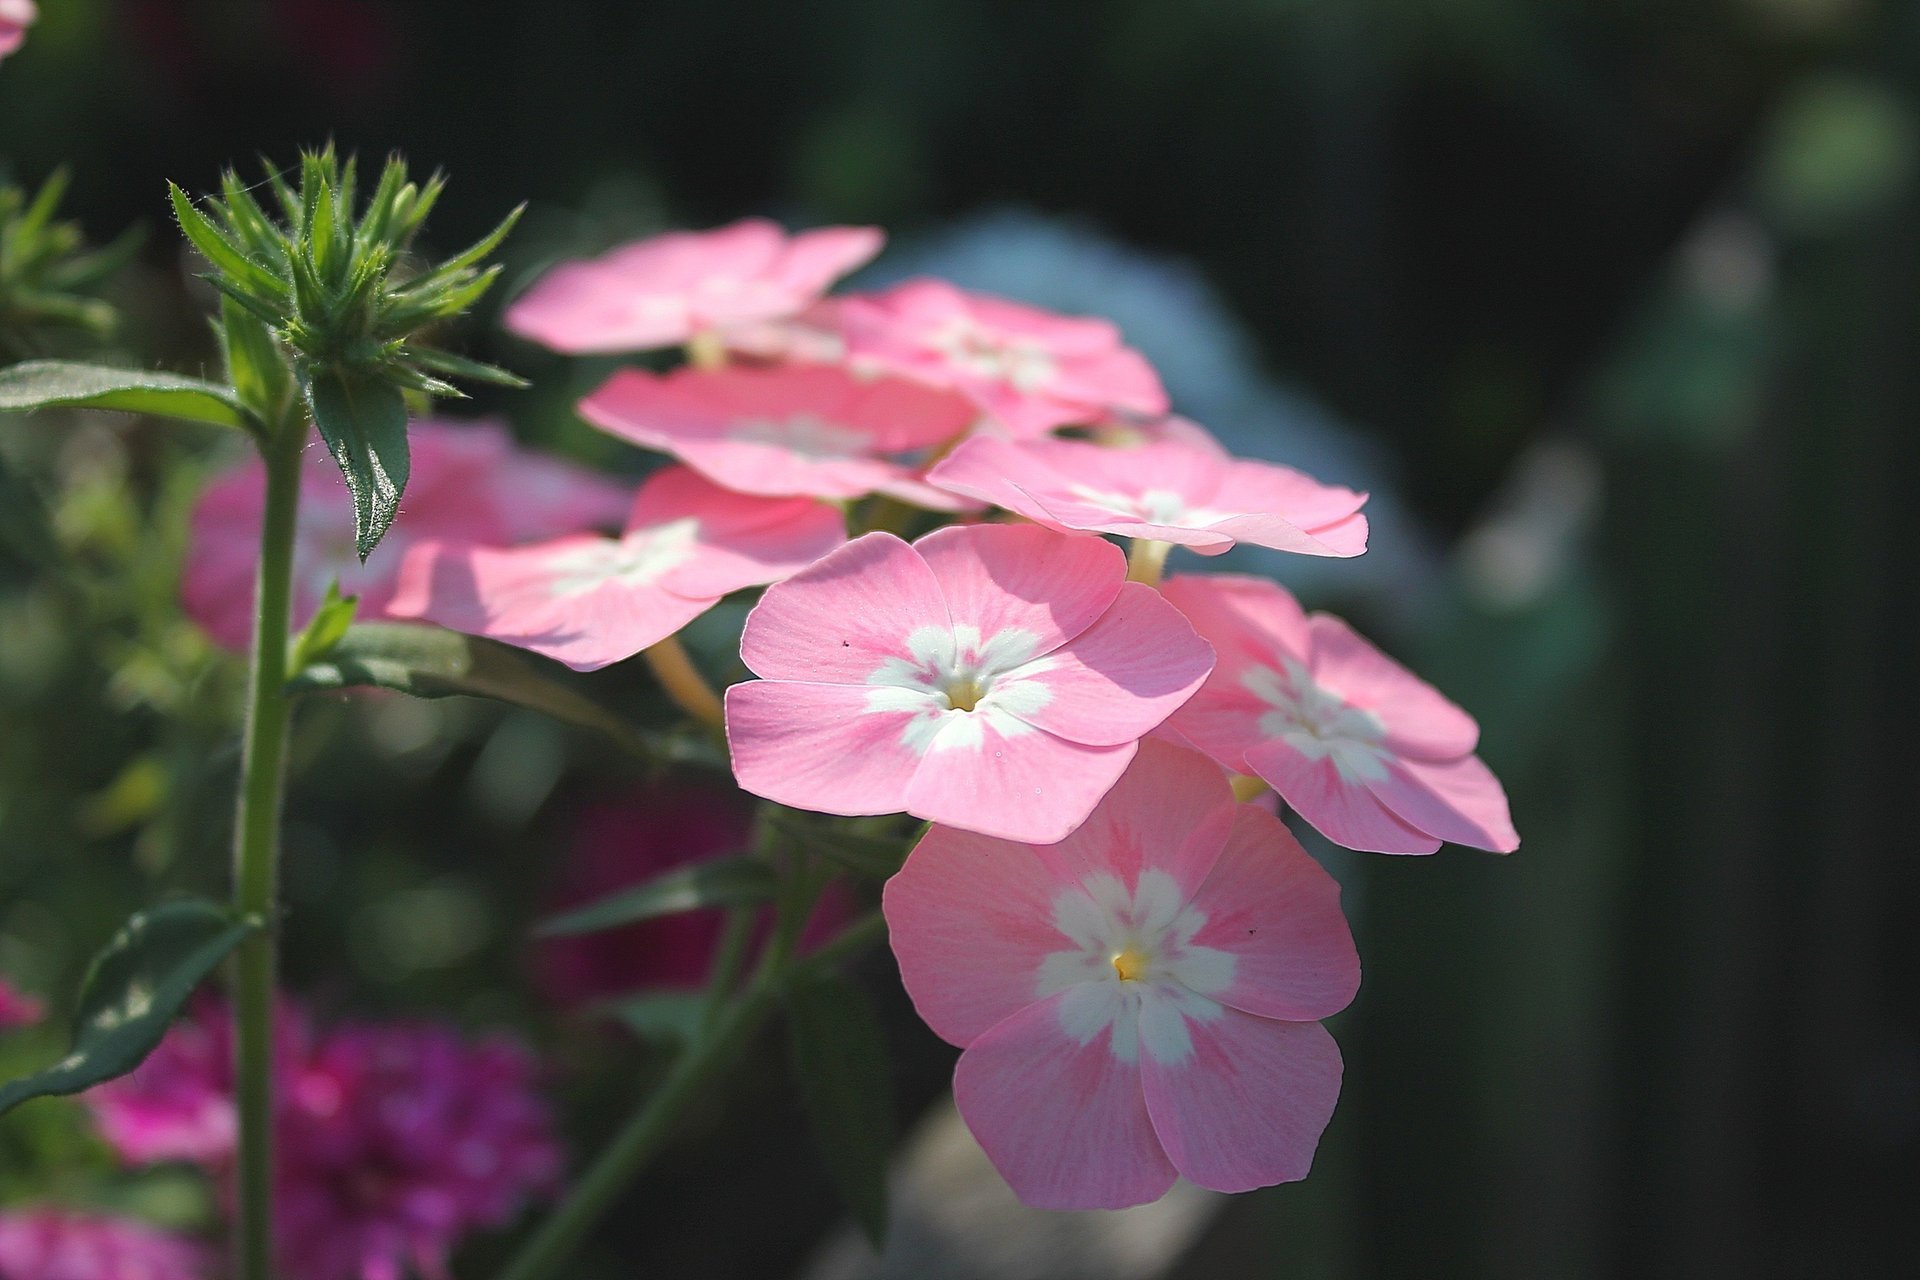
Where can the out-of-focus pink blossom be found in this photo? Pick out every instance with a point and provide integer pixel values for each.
(1030, 370)
(18, 1009)
(469, 482)
(667, 290)
(789, 430)
(1139, 1000)
(1373, 756)
(1165, 491)
(58, 1244)
(394, 1140)
(990, 677)
(589, 601)
(15, 17)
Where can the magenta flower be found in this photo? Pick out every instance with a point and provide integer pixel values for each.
(1030, 369)
(1173, 490)
(394, 1140)
(786, 431)
(665, 291)
(469, 482)
(1361, 748)
(991, 677)
(589, 601)
(60, 1244)
(1139, 1000)
(15, 17)
(18, 1009)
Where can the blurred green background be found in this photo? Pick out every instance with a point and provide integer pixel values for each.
(1613, 303)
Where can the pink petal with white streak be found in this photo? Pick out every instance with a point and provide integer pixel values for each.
(995, 577)
(1123, 675)
(846, 616)
(819, 747)
(1024, 785)
(1420, 721)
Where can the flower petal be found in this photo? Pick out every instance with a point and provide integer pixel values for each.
(1123, 675)
(845, 616)
(1277, 912)
(1457, 800)
(1247, 1108)
(998, 577)
(1420, 721)
(1346, 813)
(819, 747)
(1065, 1123)
(1009, 780)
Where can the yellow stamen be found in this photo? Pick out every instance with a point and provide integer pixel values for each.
(965, 694)
(1130, 964)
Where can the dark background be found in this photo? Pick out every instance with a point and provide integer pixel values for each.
(1627, 289)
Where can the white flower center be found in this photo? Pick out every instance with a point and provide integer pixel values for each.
(956, 685)
(638, 559)
(1132, 966)
(1155, 506)
(1318, 723)
(986, 353)
(811, 437)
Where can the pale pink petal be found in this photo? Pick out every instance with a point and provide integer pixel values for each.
(815, 259)
(844, 617)
(1066, 1124)
(1247, 620)
(971, 921)
(1457, 800)
(1026, 785)
(1171, 811)
(1420, 721)
(15, 17)
(1343, 811)
(1050, 585)
(1277, 912)
(1247, 1109)
(1123, 675)
(819, 747)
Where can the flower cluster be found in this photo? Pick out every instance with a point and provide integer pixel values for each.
(60, 1244)
(1134, 964)
(394, 1141)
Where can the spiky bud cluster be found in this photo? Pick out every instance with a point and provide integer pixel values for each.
(46, 272)
(341, 292)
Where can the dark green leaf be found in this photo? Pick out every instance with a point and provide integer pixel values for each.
(133, 992)
(429, 662)
(663, 1017)
(255, 365)
(228, 258)
(715, 882)
(48, 384)
(867, 855)
(840, 1060)
(364, 422)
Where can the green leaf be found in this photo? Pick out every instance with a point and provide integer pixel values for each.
(875, 856)
(429, 662)
(364, 422)
(133, 992)
(228, 258)
(255, 365)
(663, 1017)
(715, 882)
(840, 1060)
(327, 628)
(50, 384)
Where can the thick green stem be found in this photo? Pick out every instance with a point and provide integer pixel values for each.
(256, 857)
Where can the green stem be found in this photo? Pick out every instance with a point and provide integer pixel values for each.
(728, 961)
(256, 855)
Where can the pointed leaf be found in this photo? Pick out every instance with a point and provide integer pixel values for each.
(133, 992)
(663, 1017)
(840, 1061)
(867, 855)
(715, 882)
(364, 423)
(255, 365)
(327, 628)
(227, 257)
(49, 384)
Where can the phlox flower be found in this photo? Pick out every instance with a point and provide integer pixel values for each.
(1031, 370)
(393, 1140)
(667, 290)
(1138, 1001)
(1174, 489)
(787, 430)
(46, 1243)
(588, 600)
(469, 482)
(15, 17)
(1364, 750)
(991, 677)
(17, 1009)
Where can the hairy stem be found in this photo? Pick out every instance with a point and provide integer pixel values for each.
(256, 856)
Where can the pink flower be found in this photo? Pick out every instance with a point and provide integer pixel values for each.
(1138, 1001)
(1168, 491)
(1364, 750)
(991, 677)
(1030, 369)
(15, 17)
(178, 1105)
(469, 482)
(589, 601)
(664, 291)
(394, 1140)
(62, 1244)
(788, 430)
(18, 1009)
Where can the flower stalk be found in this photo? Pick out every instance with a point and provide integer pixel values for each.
(1147, 560)
(684, 684)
